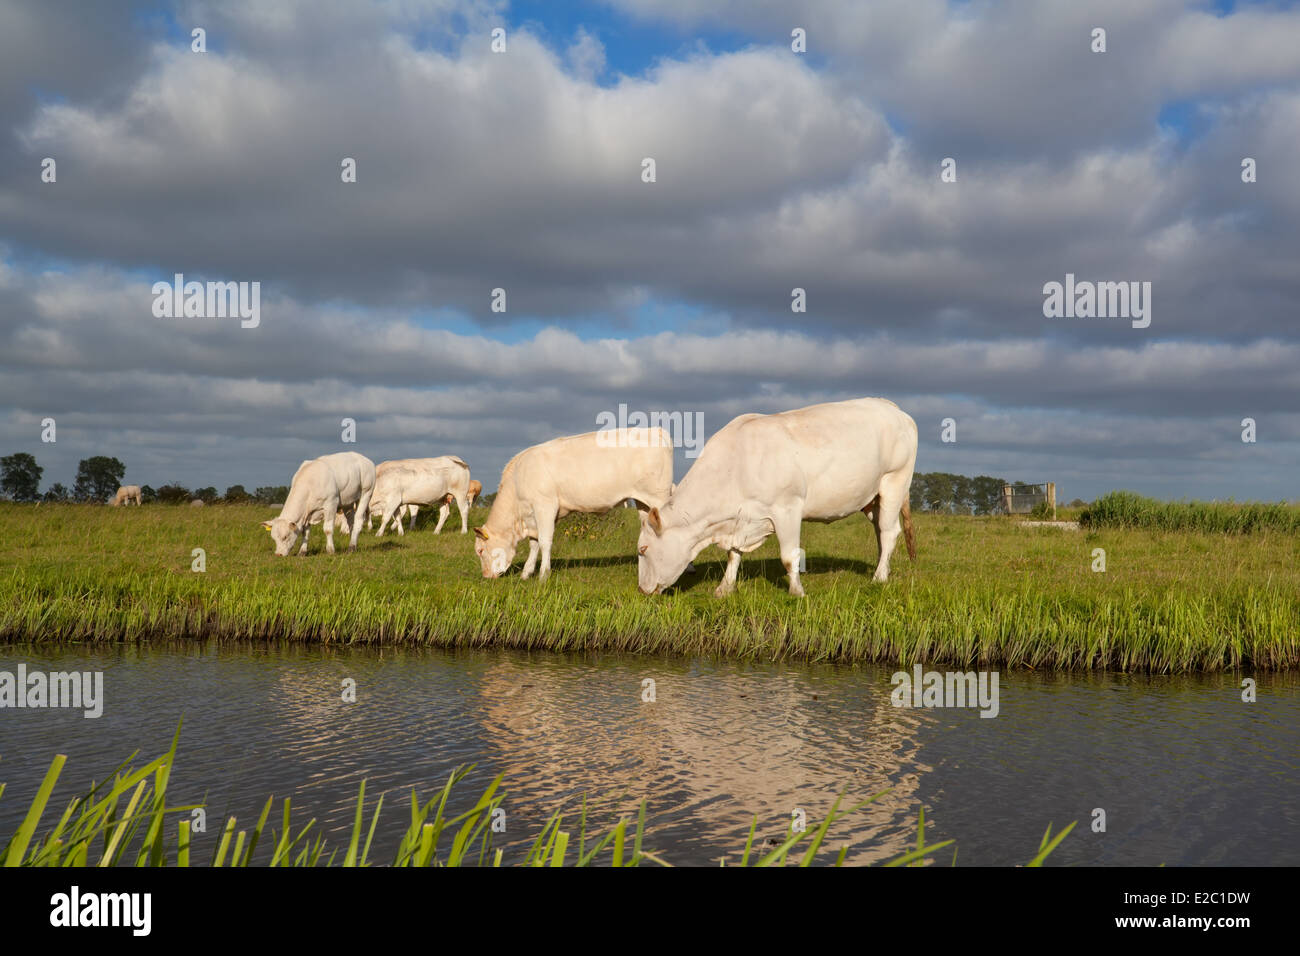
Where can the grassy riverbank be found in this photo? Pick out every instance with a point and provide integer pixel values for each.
(984, 590)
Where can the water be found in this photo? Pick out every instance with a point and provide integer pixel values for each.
(1186, 772)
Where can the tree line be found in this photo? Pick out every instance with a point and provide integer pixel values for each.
(956, 494)
(99, 477)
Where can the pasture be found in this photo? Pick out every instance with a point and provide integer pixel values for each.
(983, 591)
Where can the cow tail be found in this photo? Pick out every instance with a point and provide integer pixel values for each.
(908, 534)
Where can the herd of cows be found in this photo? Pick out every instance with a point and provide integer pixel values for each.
(759, 475)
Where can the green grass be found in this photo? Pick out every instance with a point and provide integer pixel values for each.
(984, 591)
(126, 820)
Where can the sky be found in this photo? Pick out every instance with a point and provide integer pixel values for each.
(774, 170)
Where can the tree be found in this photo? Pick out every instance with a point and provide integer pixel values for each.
(963, 494)
(147, 494)
(206, 495)
(98, 478)
(57, 492)
(271, 494)
(938, 492)
(986, 495)
(20, 477)
(236, 495)
(173, 493)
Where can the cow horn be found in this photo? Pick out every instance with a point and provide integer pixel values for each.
(480, 533)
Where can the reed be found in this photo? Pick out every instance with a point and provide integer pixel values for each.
(1124, 509)
(983, 592)
(100, 829)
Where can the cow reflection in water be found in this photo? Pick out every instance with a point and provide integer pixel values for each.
(709, 753)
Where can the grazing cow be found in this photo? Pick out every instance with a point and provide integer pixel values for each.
(421, 481)
(767, 473)
(320, 488)
(196, 502)
(340, 517)
(125, 495)
(589, 473)
(475, 489)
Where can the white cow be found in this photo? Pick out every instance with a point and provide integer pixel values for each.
(341, 522)
(591, 473)
(320, 488)
(421, 481)
(125, 495)
(475, 489)
(767, 473)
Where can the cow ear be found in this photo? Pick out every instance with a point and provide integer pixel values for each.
(479, 532)
(655, 523)
(266, 525)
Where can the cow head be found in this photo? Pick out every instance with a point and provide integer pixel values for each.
(496, 551)
(663, 552)
(284, 533)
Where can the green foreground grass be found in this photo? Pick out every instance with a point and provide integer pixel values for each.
(983, 591)
(125, 821)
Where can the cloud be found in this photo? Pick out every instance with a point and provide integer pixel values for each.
(522, 171)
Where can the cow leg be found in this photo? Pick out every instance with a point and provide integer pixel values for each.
(545, 535)
(306, 532)
(462, 502)
(787, 535)
(888, 528)
(386, 516)
(872, 511)
(362, 504)
(411, 511)
(328, 524)
(443, 510)
(728, 584)
(397, 521)
(532, 558)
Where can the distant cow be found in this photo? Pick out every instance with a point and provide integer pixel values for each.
(589, 473)
(196, 503)
(421, 481)
(767, 473)
(475, 489)
(321, 487)
(125, 495)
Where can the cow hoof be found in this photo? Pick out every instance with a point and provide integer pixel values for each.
(722, 590)
(351, 548)
(797, 591)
